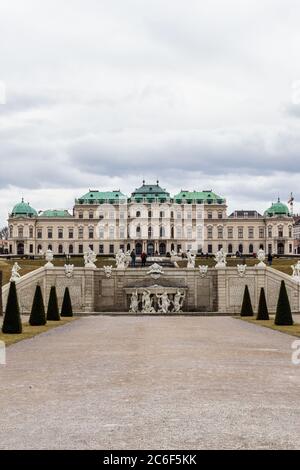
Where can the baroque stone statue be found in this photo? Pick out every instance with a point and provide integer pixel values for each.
(220, 259)
(203, 270)
(49, 258)
(178, 301)
(15, 272)
(191, 260)
(261, 256)
(121, 260)
(147, 302)
(134, 302)
(163, 302)
(89, 259)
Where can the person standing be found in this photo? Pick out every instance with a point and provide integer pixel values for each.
(270, 259)
(144, 259)
(133, 258)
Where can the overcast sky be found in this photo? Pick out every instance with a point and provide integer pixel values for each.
(101, 94)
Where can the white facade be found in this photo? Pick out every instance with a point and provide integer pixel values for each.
(151, 221)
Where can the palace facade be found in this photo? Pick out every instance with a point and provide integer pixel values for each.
(150, 220)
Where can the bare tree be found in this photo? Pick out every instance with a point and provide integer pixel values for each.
(4, 233)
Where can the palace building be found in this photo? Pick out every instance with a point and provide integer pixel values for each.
(150, 220)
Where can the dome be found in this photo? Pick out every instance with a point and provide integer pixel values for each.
(23, 209)
(277, 209)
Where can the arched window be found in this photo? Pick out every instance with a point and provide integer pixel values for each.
(162, 231)
(149, 214)
(230, 248)
(138, 214)
(150, 232)
(39, 248)
(241, 248)
(172, 232)
(138, 231)
(250, 248)
(71, 249)
(60, 249)
(50, 247)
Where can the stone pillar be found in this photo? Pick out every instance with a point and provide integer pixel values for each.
(260, 281)
(222, 293)
(89, 290)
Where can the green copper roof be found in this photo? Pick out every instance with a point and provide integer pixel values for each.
(277, 209)
(94, 197)
(23, 209)
(55, 213)
(150, 192)
(207, 197)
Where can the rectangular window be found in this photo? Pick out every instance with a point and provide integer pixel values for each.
(39, 233)
(250, 232)
(220, 232)
(101, 232)
(80, 232)
(30, 248)
(230, 232)
(60, 233)
(80, 215)
(261, 232)
(111, 249)
(209, 232)
(71, 233)
(30, 232)
(91, 215)
(91, 233)
(220, 215)
(291, 248)
(101, 249)
(80, 249)
(209, 248)
(122, 232)
(111, 232)
(240, 232)
(49, 232)
(209, 215)
(91, 247)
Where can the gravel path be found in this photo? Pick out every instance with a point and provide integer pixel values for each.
(151, 382)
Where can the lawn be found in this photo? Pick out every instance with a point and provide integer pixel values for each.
(30, 331)
(28, 265)
(293, 330)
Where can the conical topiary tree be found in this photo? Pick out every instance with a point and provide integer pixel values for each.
(12, 319)
(246, 310)
(37, 315)
(66, 309)
(262, 313)
(52, 310)
(283, 312)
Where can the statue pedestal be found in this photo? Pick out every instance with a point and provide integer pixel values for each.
(261, 265)
(220, 266)
(49, 265)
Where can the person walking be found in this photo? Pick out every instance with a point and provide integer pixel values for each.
(133, 258)
(144, 259)
(270, 259)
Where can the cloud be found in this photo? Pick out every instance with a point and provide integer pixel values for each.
(104, 94)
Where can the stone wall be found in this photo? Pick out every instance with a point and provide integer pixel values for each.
(220, 291)
(231, 288)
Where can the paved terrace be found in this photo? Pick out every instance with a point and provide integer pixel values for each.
(151, 382)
